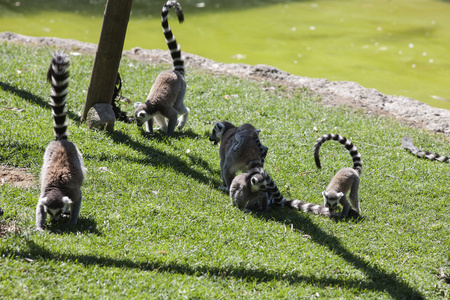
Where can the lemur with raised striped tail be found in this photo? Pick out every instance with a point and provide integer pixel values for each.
(166, 97)
(408, 145)
(345, 180)
(240, 149)
(62, 172)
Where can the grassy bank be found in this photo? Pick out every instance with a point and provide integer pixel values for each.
(397, 47)
(154, 225)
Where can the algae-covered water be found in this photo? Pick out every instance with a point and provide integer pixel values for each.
(399, 47)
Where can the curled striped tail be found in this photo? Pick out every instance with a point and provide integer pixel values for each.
(175, 50)
(58, 77)
(408, 145)
(356, 157)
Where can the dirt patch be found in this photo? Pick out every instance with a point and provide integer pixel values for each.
(18, 177)
(331, 93)
(9, 228)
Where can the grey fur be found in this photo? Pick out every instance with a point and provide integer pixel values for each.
(240, 149)
(166, 97)
(346, 180)
(255, 190)
(62, 173)
(248, 190)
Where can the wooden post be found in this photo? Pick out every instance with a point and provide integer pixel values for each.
(109, 53)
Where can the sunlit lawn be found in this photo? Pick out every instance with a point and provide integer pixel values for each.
(153, 224)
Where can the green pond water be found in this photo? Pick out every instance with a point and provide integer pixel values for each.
(400, 47)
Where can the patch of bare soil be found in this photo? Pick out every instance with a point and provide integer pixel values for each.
(8, 228)
(18, 177)
(330, 93)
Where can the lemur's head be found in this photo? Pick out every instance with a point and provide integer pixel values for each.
(331, 199)
(140, 113)
(56, 204)
(217, 132)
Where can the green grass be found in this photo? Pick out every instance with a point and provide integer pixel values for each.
(153, 223)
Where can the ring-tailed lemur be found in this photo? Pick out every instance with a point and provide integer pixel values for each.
(347, 179)
(408, 145)
(248, 190)
(239, 135)
(240, 149)
(166, 97)
(62, 172)
(255, 190)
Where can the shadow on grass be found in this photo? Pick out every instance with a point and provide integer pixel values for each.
(20, 153)
(84, 226)
(379, 280)
(162, 137)
(27, 96)
(159, 158)
(155, 157)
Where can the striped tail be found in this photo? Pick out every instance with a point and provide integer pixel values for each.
(357, 163)
(273, 193)
(275, 197)
(408, 145)
(262, 149)
(58, 77)
(308, 207)
(175, 50)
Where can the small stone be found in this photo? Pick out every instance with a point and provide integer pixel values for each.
(101, 116)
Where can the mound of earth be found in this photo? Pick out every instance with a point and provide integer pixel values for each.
(18, 177)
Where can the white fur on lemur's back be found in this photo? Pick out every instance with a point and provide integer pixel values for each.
(174, 47)
(58, 76)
